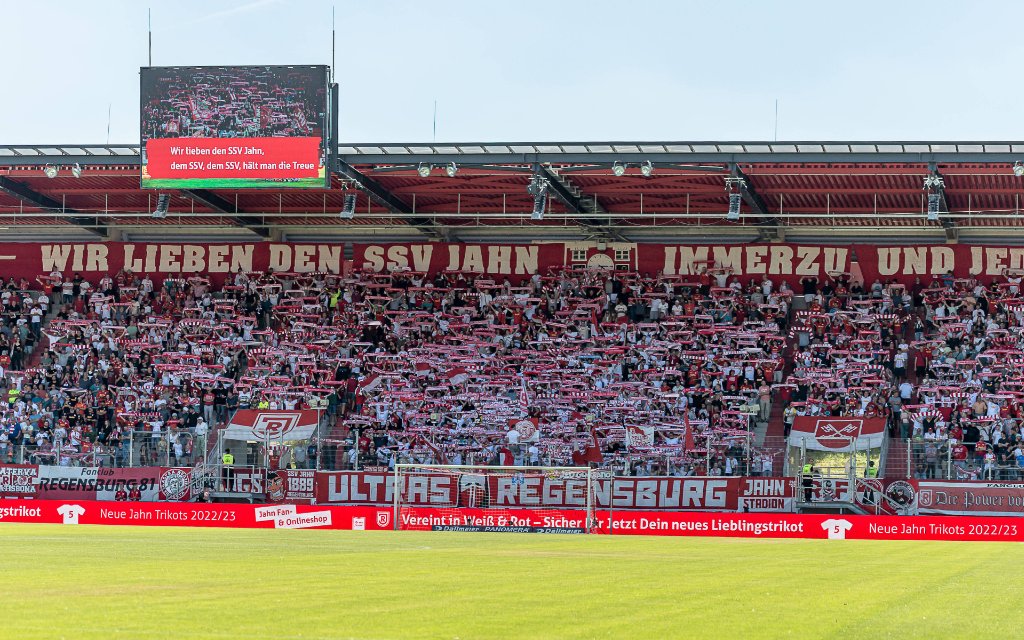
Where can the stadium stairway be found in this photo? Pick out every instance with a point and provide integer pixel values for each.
(896, 464)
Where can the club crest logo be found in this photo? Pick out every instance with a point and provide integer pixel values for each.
(270, 425)
(175, 484)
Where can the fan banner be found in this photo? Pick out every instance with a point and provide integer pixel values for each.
(836, 433)
(294, 486)
(98, 483)
(366, 518)
(971, 498)
(271, 426)
(19, 481)
(906, 264)
(538, 490)
(517, 262)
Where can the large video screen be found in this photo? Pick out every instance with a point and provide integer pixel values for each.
(234, 127)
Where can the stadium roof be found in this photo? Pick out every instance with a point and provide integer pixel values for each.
(802, 188)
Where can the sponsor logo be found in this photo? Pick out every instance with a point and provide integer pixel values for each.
(358, 523)
(175, 484)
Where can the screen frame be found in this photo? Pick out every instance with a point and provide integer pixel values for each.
(326, 142)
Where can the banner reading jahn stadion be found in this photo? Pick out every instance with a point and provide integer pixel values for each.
(234, 127)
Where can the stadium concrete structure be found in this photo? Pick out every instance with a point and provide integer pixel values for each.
(605, 191)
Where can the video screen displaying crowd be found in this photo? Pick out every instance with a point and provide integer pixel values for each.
(640, 373)
(212, 102)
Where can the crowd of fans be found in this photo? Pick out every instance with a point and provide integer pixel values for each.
(640, 373)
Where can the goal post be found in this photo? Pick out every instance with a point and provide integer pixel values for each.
(529, 499)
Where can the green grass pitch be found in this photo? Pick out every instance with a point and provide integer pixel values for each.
(149, 582)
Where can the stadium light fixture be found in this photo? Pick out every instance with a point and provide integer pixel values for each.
(539, 202)
(618, 169)
(933, 182)
(646, 168)
(348, 208)
(934, 202)
(735, 199)
(1018, 168)
(76, 170)
(424, 170)
(163, 202)
(538, 186)
(450, 169)
(50, 171)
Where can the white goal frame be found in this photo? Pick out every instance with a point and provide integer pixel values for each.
(585, 472)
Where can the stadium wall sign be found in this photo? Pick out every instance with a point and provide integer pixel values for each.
(359, 518)
(906, 263)
(665, 493)
(780, 261)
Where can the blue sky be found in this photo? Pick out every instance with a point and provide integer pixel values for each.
(532, 70)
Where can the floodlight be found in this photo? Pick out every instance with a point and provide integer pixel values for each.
(76, 170)
(424, 170)
(646, 168)
(162, 203)
(934, 201)
(618, 169)
(50, 171)
(450, 169)
(539, 202)
(735, 199)
(348, 208)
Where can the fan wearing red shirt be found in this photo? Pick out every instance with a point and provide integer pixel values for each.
(959, 452)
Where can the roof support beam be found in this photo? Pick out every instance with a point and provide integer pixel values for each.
(213, 201)
(36, 199)
(563, 189)
(769, 226)
(381, 196)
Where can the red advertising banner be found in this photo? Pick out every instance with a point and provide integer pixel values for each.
(260, 158)
(735, 525)
(707, 494)
(970, 498)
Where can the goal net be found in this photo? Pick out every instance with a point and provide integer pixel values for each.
(510, 499)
